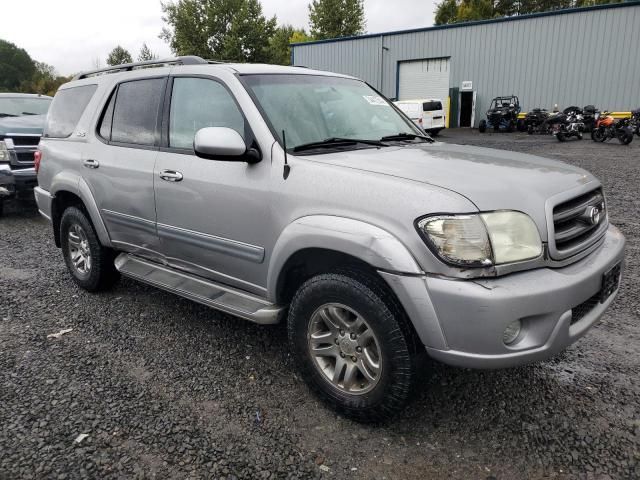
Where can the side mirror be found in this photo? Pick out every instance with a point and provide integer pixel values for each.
(221, 143)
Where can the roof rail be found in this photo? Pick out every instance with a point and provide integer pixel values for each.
(127, 67)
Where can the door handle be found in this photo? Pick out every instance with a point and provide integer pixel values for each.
(171, 175)
(90, 163)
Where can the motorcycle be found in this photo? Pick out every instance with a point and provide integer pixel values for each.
(535, 121)
(567, 124)
(607, 128)
(635, 121)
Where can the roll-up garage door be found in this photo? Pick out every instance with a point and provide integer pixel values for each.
(424, 79)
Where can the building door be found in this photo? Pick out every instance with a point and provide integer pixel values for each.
(467, 108)
(418, 79)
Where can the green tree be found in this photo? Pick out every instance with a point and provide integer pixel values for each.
(118, 56)
(452, 11)
(279, 43)
(233, 30)
(336, 18)
(16, 66)
(45, 80)
(146, 54)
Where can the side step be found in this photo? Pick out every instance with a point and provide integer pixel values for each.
(224, 298)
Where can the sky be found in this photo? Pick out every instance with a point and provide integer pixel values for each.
(76, 35)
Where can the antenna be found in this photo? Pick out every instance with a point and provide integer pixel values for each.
(287, 167)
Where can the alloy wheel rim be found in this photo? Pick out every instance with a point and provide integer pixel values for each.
(79, 250)
(344, 349)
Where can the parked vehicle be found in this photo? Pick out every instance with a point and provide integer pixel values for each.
(22, 119)
(502, 115)
(589, 117)
(607, 128)
(226, 184)
(535, 121)
(568, 124)
(635, 121)
(427, 113)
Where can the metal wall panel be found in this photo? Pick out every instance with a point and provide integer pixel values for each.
(578, 58)
(423, 79)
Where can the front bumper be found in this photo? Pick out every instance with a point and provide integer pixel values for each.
(461, 322)
(7, 182)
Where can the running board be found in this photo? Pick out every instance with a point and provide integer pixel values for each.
(206, 292)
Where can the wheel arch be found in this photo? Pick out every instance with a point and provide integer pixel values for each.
(318, 243)
(68, 191)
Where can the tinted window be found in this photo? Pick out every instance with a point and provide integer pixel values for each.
(431, 106)
(66, 110)
(135, 114)
(107, 117)
(198, 103)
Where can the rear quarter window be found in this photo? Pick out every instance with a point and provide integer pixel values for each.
(66, 109)
(431, 106)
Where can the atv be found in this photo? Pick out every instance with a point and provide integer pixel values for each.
(502, 115)
(536, 121)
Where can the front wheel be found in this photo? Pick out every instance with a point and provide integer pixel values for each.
(482, 127)
(597, 135)
(353, 344)
(90, 264)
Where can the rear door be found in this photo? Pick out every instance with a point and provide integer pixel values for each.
(119, 163)
(433, 114)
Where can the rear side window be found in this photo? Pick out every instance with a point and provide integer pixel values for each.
(431, 106)
(132, 113)
(66, 110)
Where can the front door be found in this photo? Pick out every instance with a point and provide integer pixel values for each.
(120, 162)
(213, 216)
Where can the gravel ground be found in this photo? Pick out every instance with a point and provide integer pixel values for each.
(166, 388)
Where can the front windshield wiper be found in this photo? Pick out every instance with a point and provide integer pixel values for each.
(406, 136)
(29, 113)
(337, 141)
(2, 115)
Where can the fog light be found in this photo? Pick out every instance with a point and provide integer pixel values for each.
(512, 332)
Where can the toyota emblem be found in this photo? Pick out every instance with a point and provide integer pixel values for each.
(594, 215)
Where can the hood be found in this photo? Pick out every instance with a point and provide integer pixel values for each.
(25, 124)
(490, 179)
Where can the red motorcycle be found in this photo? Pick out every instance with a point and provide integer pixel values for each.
(607, 128)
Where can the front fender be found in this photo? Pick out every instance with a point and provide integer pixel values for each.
(369, 243)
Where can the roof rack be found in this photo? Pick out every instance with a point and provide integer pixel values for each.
(127, 67)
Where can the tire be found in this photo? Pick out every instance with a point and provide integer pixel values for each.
(89, 263)
(597, 135)
(435, 132)
(560, 136)
(349, 298)
(625, 138)
(530, 129)
(482, 126)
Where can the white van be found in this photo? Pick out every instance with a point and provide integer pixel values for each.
(427, 113)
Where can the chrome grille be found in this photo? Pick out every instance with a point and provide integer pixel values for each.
(577, 222)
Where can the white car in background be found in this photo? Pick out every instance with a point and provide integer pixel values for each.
(427, 113)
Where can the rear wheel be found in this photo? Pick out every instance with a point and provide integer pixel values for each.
(625, 138)
(90, 264)
(560, 136)
(482, 127)
(353, 344)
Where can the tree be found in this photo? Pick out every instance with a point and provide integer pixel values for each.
(16, 66)
(118, 56)
(336, 18)
(452, 11)
(146, 54)
(231, 30)
(45, 80)
(279, 43)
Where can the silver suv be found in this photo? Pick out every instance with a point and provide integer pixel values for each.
(286, 194)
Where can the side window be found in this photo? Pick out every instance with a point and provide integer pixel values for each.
(107, 118)
(198, 103)
(135, 113)
(66, 109)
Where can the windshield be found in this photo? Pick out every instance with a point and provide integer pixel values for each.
(17, 106)
(314, 108)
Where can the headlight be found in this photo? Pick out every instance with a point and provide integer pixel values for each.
(481, 240)
(4, 152)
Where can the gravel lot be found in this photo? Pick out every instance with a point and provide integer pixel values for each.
(166, 388)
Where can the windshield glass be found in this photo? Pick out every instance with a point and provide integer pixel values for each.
(16, 106)
(313, 108)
